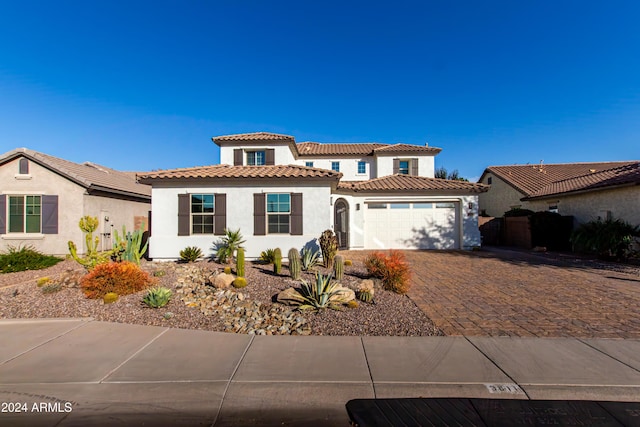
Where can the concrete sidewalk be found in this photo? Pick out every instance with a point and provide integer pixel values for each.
(83, 372)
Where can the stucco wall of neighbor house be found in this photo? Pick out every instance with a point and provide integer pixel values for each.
(426, 164)
(165, 243)
(42, 181)
(623, 203)
(500, 198)
(348, 166)
(119, 213)
(282, 153)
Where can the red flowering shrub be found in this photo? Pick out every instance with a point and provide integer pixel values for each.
(122, 278)
(393, 269)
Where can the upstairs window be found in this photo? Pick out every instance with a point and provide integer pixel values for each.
(25, 214)
(335, 166)
(202, 213)
(256, 158)
(23, 166)
(308, 164)
(278, 213)
(362, 167)
(403, 167)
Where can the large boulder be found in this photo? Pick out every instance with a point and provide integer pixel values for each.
(290, 297)
(342, 295)
(223, 280)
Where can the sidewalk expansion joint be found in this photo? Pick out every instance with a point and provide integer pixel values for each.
(366, 359)
(607, 354)
(499, 367)
(134, 355)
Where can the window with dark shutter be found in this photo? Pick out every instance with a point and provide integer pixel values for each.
(396, 166)
(184, 215)
(220, 216)
(414, 167)
(237, 157)
(270, 156)
(259, 220)
(50, 214)
(3, 214)
(296, 214)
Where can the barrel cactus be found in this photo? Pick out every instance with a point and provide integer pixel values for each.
(110, 297)
(239, 282)
(294, 263)
(364, 291)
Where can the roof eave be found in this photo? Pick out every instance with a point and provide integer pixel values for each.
(578, 192)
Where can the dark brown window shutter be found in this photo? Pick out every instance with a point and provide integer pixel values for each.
(24, 166)
(3, 213)
(237, 157)
(49, 214)
(259, 220)
(296, 214)
(184, 214)
(414, 167)
(396, 166)
(220, 215)
(270, 156)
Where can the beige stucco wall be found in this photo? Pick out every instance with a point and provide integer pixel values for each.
(500, 198)
(623, 203)
(73, 203)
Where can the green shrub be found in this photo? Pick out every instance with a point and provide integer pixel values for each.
(25, 258)
(268, 256)
(608, 239)
(157, 297)
(190, 254)
(226, 247)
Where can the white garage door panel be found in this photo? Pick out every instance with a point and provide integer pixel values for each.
(412, 228)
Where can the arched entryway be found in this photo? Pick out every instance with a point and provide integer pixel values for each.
(341, 222)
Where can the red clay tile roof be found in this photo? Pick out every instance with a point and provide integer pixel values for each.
(622, 175)
(528, 179)
(88, 175)
(315, 149)
(255, 136)
(400, 182)
(227, 171)
(407, 148)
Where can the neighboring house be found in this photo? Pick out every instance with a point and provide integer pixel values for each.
(585, 191)
(280, 193)
(42, 199)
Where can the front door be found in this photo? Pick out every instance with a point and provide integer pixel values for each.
(341, 223)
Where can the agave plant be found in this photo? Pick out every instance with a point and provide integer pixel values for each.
(318, 295)
(190, 254)
(309, 259)
(227, 245)
(157, 297)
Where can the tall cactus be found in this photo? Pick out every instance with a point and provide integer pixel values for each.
(277, 260)
(329, 246)
(338, 267)
(89, 224)
(240, 262)
(294, 263)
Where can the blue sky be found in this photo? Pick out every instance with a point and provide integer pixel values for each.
(145, 85)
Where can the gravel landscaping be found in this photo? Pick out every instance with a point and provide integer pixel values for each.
(251, 309)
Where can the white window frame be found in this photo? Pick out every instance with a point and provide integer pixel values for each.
(364, 167)
(192, 214)
(254, 153)
(277, 213)
(335, 166)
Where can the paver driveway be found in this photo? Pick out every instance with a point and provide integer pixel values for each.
(501, 292)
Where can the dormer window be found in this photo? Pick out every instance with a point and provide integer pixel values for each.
(256, 158)
(403, 167)
(23, 166)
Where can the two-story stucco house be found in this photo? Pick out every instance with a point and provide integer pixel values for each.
(280, 193)
(43, 197)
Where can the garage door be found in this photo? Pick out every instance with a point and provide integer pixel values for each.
(414, 225)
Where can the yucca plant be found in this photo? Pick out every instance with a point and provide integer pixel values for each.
(309, 259)
(227, 245)
(190, 254)
(318, 295)
(157, 297)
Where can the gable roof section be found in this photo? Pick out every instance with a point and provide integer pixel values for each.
(254, 136)
(88, 175)
(400, 182)
(529, 179)
(614, 177)
(241, 172)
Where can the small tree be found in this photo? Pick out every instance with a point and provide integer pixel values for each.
(227, 245)
(454, 175)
